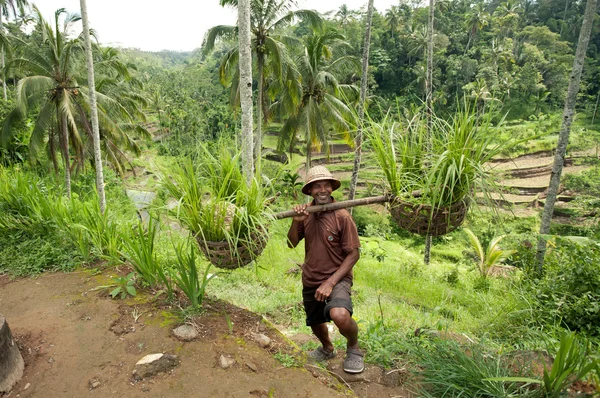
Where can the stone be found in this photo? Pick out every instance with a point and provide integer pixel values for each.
(262, 340)
(185, 332)
(226, 362)
(11, 361)
(153, 364)
(94, 384)
(251, 366)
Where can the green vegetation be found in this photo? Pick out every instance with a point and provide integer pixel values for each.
(509, 61)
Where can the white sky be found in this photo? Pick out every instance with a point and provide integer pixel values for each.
(177, 25)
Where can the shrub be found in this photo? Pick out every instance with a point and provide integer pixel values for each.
(26, 252)
(569, 291)
(370, 222)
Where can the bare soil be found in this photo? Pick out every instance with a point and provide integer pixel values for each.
(76, 341)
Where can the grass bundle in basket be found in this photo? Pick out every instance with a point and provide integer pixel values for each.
(227, 217)
(445, 167)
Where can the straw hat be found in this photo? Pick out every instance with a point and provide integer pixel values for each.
(319, 173)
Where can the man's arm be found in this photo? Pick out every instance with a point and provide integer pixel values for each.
(293, 236)
(326, 287)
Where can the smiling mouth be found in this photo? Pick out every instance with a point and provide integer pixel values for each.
(323, 197)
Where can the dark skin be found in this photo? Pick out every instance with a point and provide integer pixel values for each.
(321, 193)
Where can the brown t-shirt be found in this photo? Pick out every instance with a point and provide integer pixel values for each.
(329, 237)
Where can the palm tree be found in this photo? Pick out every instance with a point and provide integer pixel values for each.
(344, 16)
(429, 103)
(392, 19)
(93, 106)
(268, 47)
(477, 18)
(245, 66)
(361, 104)
(51, 63)
(7, 8)
(563, 137)
(508, 17)
(320, 106)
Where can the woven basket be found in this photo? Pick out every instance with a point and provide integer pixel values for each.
(223, 255)
(418, 218)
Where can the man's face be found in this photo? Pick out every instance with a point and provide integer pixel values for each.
(321, 192)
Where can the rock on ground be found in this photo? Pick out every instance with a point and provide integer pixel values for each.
(185, 332)
(152, 364)
(11, 361)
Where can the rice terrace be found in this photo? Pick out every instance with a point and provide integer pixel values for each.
(363, 200)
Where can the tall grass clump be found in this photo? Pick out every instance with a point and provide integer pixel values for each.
(216, 205)
(449, 370)
(30, 241)
(187, 278)
(67, 231)
(139, 251)
(444, 167)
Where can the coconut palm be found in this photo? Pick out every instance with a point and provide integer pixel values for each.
(7, 8)
(476, 19)
(565, 129)
(392, 19)
(320, 107)
(93, 106)
(429, 104)
(268, 47)
(52, 65)
(245, 72)
(344, 16)
(361, 104)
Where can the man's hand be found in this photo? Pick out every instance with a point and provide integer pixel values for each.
(324, 291)
(301, 212)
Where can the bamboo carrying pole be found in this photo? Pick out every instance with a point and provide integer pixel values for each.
(337, 205)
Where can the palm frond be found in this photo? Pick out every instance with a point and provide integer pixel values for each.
(219, 32)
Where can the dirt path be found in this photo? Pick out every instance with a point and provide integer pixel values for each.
(78, 342)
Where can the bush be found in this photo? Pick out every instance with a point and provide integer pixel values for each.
(569, 292)
(370, 222)
(25, 253)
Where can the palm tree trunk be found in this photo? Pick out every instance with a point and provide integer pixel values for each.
(429, 106)
(52, 150)
(246, 87)
(308, 152)
(468, 42)
(259, 119)
(596, 107)
(93, 107)
(65, 152)
(563, 137)
(2, 64)
(361, 105)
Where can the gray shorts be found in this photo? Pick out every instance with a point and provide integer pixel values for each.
(317, 312)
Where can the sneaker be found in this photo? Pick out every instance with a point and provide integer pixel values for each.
(355, 361)
(320, 355)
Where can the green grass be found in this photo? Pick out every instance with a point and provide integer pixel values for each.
(411, 294)
(394, 292)
(25, 253)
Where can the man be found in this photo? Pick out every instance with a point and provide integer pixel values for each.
(331, 250)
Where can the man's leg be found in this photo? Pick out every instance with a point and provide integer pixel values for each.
(347, 326)
(322, 334)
